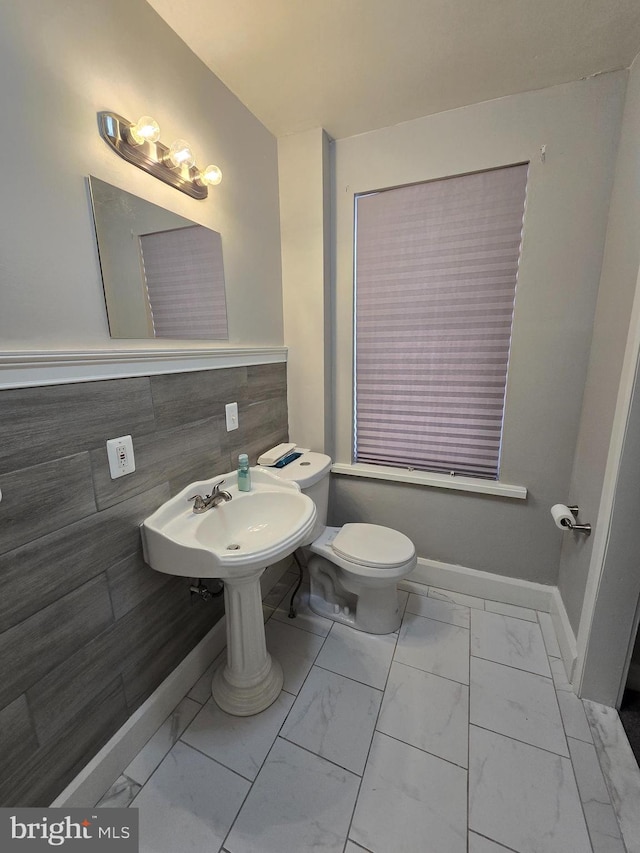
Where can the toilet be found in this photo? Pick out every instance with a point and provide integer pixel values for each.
(354, 569)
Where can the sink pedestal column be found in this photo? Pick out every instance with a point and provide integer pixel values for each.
(251, 680)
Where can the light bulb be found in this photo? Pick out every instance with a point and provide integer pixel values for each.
(211, 175)
(181, 154)
(146, 129)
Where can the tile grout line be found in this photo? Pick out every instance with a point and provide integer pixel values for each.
(316, 754)
(582, 802)
(435, 674)
(453, 592)
(194, 749)
(582, 740)
(544, 639)
(605, 779)
(566, 737)
(493, 840)
(355, 680)
(285, 594)
(360, 776)
(517, 668)
(584, 815)
(518, 606)
(524, 742)
(517, 740)
(274, 740)
(357, 846)
(375, 729)
(435, 618)
(142, 784)
(292, 621)
(215, 760)
(175, 739)
(299, 626)
(426, 751)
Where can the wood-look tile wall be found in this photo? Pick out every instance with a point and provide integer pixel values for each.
(87, 630)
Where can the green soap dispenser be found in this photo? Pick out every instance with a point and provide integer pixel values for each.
(244, 474)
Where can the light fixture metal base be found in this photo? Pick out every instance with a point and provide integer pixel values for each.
(150, 156)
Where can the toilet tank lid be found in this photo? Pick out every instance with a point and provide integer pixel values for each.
(306, 470)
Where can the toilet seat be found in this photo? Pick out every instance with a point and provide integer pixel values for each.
(373, 546)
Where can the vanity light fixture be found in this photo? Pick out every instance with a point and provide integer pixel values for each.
(139, 144)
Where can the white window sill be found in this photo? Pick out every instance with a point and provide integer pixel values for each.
(424, 478)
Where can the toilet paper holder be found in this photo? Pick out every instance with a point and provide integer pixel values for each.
(580, 528)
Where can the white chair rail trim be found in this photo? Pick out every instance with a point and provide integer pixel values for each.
(23, 369)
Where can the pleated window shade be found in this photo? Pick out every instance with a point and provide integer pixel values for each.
(184, 275)
(436, 271)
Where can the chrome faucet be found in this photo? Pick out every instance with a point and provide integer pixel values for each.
(217, 496)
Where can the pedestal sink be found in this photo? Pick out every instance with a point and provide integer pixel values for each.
(234, 541)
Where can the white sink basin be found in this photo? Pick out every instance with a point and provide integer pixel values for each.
(234, 541)
(251, 531)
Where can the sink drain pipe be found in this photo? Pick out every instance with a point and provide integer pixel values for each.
(202, 590)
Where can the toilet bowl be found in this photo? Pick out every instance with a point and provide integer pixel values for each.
(354, 569)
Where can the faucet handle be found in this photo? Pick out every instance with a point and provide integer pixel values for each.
(216, 487)
(199, 502)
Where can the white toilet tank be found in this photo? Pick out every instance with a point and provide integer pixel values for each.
(311, 472)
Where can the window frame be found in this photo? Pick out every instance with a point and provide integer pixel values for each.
(458, 482)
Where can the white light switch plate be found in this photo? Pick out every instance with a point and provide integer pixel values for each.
(120, 455)
(231, 412)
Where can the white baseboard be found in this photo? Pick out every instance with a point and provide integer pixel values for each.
(483, 584)
(564, 633)
(506, 590)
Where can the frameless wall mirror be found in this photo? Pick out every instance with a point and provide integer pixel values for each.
(163, 275)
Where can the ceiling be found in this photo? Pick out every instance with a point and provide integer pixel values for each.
(351, 66)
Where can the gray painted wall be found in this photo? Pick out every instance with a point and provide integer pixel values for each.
(617, 287)
(564, 230)
(60, 63)
(87, 630)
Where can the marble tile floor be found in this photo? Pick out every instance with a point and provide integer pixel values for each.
(457, 734)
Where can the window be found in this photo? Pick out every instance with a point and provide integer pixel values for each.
(436, 271)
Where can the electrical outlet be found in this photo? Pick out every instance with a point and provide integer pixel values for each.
(231, 412)
(120, 455)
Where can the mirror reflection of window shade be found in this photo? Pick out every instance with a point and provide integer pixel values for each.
(184, 276)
